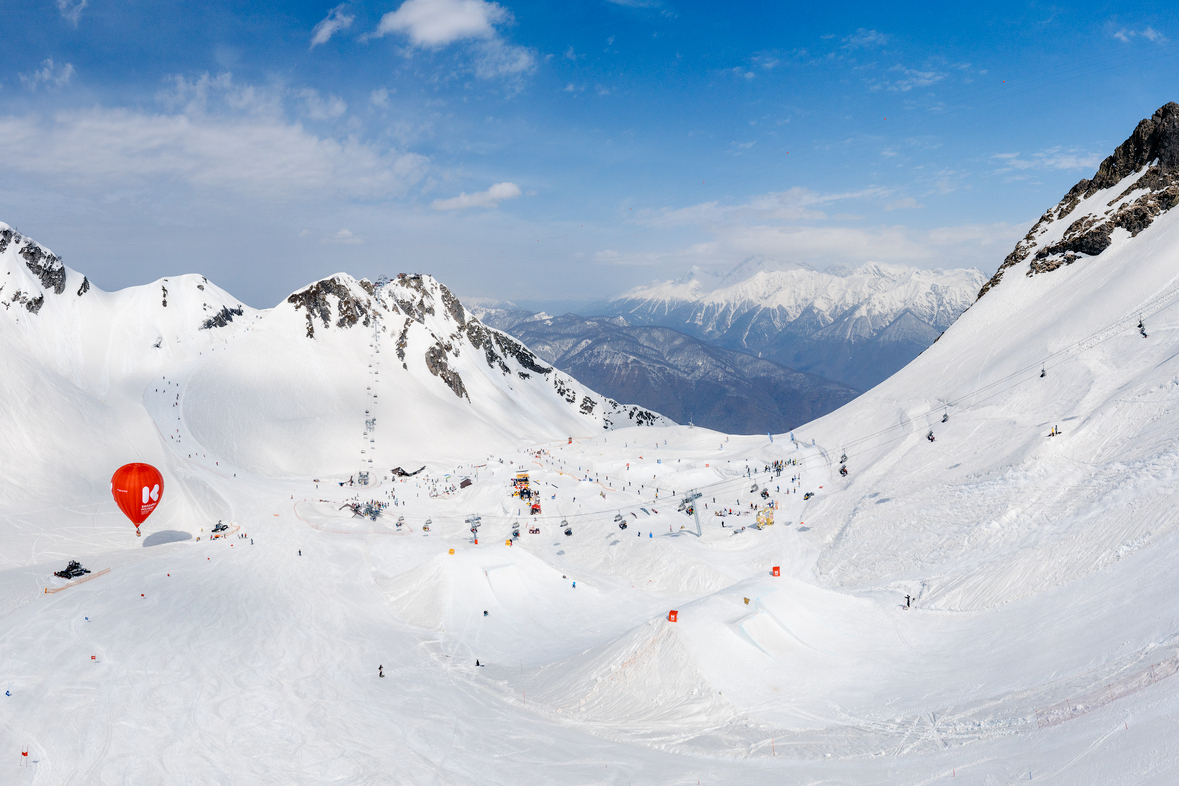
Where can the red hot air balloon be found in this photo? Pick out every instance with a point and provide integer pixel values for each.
(137, 489)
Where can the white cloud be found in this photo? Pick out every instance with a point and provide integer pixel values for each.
(495, 58)
(434, 23)
(792, 226)
(336, 20)
(907, 79)
(71, 10)
(1149, 33)
(226, 137)
(795, 204)
(1052, 158)
(489, 198)
(318, 108)
(379, 97)
(49, 75)
(343, 238)
(864, 38)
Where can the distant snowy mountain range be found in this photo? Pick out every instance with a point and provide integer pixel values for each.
(689, 380)
(763, 347)
(855, 326)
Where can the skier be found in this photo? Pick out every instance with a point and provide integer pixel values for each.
(380, 671)
(908, 601)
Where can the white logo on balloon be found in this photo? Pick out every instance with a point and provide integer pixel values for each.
(153, 493)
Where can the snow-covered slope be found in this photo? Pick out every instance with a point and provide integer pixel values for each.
(1042, 642)
(995, 509)
(857, 327)
(179, 370)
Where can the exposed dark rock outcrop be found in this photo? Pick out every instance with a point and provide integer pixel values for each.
(82, 290)
(1153, 147)
(222, 317)
(436, 362)
(314, 300)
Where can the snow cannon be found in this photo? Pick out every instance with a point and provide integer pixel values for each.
(137, 489)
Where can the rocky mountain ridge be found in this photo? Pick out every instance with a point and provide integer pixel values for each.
(1137, 183)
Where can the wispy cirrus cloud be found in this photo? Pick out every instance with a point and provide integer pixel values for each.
(489, 198)
(1126, 34)
(336, 20)
(864, 39)
(1052, 158)
(794, 204)
(71, 10)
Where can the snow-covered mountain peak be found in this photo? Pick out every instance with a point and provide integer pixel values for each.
(1132, 187)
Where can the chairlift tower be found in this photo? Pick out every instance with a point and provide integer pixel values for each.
(689, 499)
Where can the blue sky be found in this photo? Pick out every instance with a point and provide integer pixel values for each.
(555, 153)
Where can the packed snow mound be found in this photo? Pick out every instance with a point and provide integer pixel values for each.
(644, 685)
(1132, 187)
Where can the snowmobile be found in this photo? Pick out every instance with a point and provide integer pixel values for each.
(72, 571)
